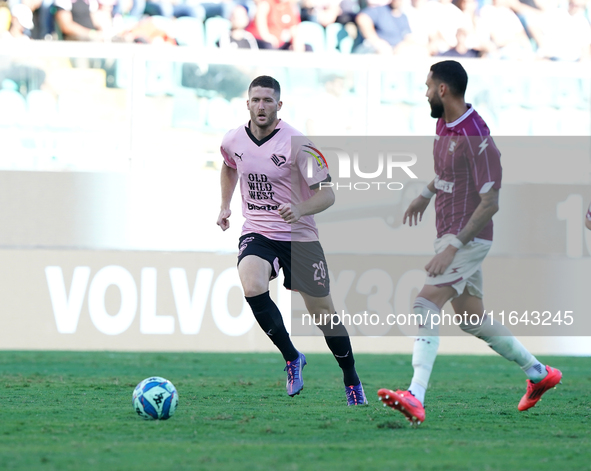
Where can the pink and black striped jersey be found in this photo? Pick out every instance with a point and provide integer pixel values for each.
(467, 163)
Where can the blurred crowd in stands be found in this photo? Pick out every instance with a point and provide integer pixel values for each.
(504, 29)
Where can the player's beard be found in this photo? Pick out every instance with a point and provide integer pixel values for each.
(270, 119)
(436, 107)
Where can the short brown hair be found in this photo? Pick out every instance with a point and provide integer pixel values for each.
(266, 81)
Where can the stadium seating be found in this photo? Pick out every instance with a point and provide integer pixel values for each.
(514, 121)
(160, 77)
(390, 120)
(313, 35)
(189, 32)
(421, 123)
(394, 86)
(337, 39)
(215, 28)
(165, 24)
(74, 111)
(574, 122)
(42, 108)
(489, 117)
(208, 98)
(569, 93)
(540, 92)
(415, 83)
(303, 78)
(585, 98)
(511, 91)
(545, 122)
(14, 108)
(218, 110)
(188, 110)
(239, 112)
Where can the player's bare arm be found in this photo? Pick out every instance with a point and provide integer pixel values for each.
(228, 180)
(489, 205)
(417, 207)
(320, 201)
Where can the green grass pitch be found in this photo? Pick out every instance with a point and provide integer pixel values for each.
(72, 411)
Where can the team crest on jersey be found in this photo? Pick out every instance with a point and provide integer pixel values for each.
(452, 146)
(278, 160)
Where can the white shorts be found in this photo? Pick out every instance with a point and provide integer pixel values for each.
(466, 268)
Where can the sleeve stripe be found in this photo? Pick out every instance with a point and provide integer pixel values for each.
(487, 186)
(468, 140)
(319, 153)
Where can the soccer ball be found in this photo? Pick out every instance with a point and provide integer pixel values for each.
(155, 398)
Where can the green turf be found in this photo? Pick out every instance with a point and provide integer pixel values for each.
(72, 411)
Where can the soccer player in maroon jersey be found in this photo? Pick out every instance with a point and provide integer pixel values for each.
(279, 199)
(467, 182)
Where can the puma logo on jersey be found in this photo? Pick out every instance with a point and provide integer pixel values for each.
(239, 156)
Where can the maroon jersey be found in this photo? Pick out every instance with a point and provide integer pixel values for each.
(467, 162)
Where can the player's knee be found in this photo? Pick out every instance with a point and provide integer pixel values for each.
(474, 324)
(470, 328)
(321, 309)
(254, 289)
(326, 308)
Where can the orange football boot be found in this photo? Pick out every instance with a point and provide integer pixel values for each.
(404, 402)
(535, 390)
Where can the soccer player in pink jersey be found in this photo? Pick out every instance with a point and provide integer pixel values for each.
(279, 199)
(467, 182)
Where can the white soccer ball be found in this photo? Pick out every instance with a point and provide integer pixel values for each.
(155, 398)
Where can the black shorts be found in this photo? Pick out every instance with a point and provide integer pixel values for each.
(304, 265)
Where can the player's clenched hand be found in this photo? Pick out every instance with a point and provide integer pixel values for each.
(223, 219)
(290, 213)
(441, 261)
(415, 210)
